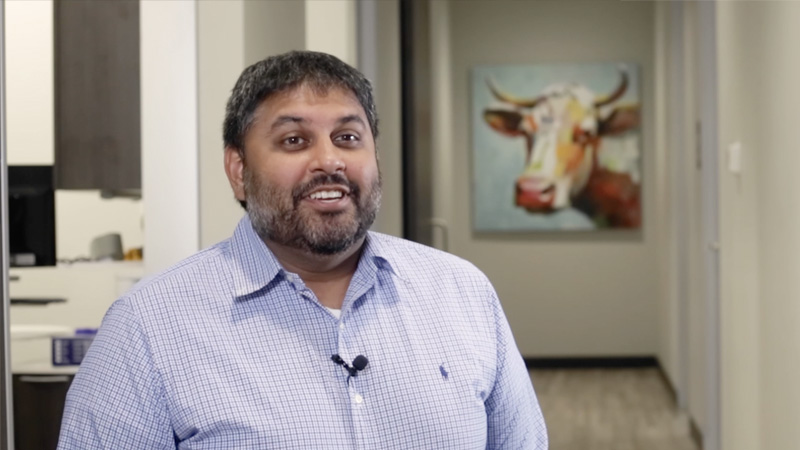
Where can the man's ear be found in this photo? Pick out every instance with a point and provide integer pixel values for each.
(234, 168)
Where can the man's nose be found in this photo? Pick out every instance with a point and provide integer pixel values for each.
(328, 158)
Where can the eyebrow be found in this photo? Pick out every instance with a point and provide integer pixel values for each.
(286, 119)
(296, 119)
(351, 118)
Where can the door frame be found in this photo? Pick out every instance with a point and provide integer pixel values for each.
(6, 399)
(709, 147)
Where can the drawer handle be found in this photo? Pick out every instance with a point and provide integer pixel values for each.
(44, 379)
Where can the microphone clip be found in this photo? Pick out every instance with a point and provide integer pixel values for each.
(359, 364)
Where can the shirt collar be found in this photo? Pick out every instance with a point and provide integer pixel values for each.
(256, 266)
(377, 252)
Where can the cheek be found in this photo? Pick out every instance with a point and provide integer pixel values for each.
(281, 173)
(365, 171)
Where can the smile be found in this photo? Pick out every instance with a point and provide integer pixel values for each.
(326, 195)
(329, 199)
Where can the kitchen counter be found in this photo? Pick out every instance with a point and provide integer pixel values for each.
(88, 290)
(31, 348)
(42, 369)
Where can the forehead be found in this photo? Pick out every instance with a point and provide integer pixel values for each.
(309, 102)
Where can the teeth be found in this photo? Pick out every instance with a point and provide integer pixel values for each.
(322, 195)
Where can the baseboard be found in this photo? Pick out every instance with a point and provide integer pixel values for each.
(697, 435)
(593, 362)
(694, 430)
(668, 383)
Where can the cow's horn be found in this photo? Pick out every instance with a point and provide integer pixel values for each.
(503, 97)
(617, 94)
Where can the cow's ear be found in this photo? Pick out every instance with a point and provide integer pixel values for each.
(621, 120)
(505, 122)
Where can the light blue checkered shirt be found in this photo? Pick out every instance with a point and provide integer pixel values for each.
(227, 350)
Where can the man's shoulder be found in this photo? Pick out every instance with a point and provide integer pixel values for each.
(184, 276)
(417, 258)
(405, 249)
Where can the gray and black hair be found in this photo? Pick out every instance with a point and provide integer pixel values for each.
(276, 74)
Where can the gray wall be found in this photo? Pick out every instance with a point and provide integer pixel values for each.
(573, 293)
(220, 60)
(387, 97)
(758, 69)
(273, 27)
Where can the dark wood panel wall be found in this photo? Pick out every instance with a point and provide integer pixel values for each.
(97, 107)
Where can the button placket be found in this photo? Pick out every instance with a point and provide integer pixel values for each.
(356, 397)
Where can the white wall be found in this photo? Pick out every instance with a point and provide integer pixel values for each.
(565, 294)
(169, 96)
(760, 244)
(29, 82)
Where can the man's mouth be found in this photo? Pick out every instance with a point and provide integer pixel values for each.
(329, 199)
(329, 195)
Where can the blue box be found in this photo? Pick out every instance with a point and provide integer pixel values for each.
(70, 350)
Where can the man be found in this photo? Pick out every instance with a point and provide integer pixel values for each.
(304, 330)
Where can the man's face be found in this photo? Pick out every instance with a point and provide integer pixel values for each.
(310, 173)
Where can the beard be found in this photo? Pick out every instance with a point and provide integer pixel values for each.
(277, 214)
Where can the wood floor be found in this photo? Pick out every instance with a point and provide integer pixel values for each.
(610, 409)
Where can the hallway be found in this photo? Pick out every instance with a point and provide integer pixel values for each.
(610, 409)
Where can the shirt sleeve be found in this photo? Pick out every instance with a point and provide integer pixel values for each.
(514, 417)
(116, 400)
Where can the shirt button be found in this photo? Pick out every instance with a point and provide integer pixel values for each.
(341, 325)
(359, 399)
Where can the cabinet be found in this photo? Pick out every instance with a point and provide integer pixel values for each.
(97, 107)
(38, 407)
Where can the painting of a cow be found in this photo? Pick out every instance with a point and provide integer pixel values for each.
(579, 145)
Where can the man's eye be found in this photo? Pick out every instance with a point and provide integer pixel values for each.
(349, 138)
(294, 141)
